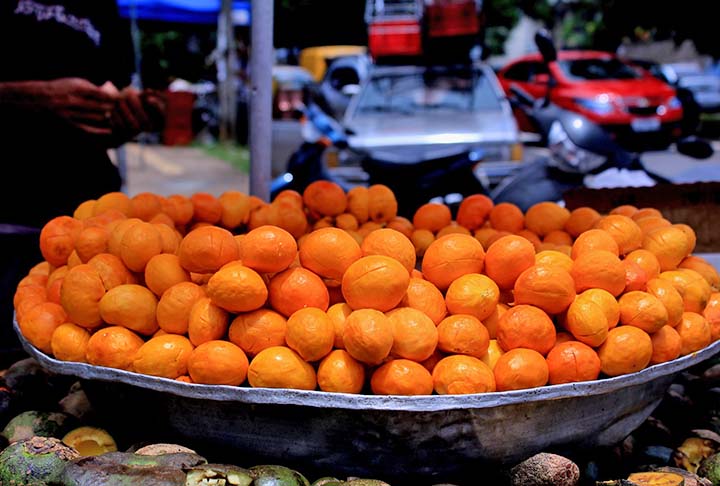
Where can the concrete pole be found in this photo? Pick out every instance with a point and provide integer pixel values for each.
(261, 61)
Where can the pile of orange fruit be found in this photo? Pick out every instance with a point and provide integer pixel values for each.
(332, 290)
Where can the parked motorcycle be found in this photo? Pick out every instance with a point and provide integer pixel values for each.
(581, 153)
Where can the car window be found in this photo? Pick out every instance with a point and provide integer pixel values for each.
(343, 76)
(594, 69)
(419, 91)
(524, 71)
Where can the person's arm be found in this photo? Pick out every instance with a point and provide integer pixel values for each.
(72, 101)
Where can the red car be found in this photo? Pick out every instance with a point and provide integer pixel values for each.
(641, 111)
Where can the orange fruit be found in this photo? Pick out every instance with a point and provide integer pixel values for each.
(520, 368)
(646, 212)
(415, 336)
(572, 361)
(587, 321)
(357, 203)
(217, 363)
(474, 210)
(90, 241)
(487, 235)
(432, 216)
(207, 248)
(401, 377)
(671, 299)
(546, 216)
(694, 331)
(506, 216)
(117, 232)
(207, 322)
(712, 315)
(627, 349)
(552, 289)
(704, 268)
(493, 353)
(643, 310)
(598, 269)
(179, 207)
(526, 326)
(111, 270)
(669, 245)
(376, 282)
(163, 271)
(340, 373)
(594, 239)
(310, 333)
(288, 216)
(473, 293)
(607, 302)
(329, 252)
(29, 296)
(691, 236)
(426, 297)
(80, 296)
(490, 323)
(57, 239)
(581, 219)
(295, 288)
(165, 356)
(170, 238)
(268, 249)
(173, 307)
(401, 224)
(368, 336)
(451, 256)
(552, 258)
(635, 276)
(558, 237)
(256, 330)
(381, 203)
(453, 227)
(346, 221)
(646, 260)
(460, 374)
(649, 223)
(113, 347)
(39, 323)
(392, 243)
(69, 342)
(692, 287)
(324, 198)
(463, 334)
(666, 343)
(421, 239)
(206, 208)
(112, 200)
(507, 257)
(625, 209)
(145, 205)
(237, 288)
(281, 367)
(235, 209)
(132, 306)
(626, 233)
(338, 313)
(531, 237)
(366, 228)
(139, 243)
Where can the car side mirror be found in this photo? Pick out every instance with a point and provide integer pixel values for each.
(546, 46)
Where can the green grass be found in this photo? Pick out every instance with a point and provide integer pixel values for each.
(236, 155)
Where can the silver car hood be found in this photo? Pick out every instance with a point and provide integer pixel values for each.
(412, 138)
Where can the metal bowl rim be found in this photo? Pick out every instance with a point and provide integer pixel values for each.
(314, 398)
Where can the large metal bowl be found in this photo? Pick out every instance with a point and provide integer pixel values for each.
(421, 436)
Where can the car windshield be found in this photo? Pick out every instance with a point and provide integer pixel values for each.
(412, 92)
(596, 69)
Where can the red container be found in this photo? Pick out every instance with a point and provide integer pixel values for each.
(178, 118)
(452, 19)
(394, 38)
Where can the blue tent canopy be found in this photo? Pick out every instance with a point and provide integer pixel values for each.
(188, 11)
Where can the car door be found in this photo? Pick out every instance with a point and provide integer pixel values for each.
(533, 78)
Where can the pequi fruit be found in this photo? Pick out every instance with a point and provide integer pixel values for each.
(274, 475)
(692, 451)
(218, 474)
(545, 469)
(710, 469)
(691, 479)
(34, 462)
(365, 482)
(162, 448)
(656, 478)
(90, 441)
(328, 481)
(128, 469)
(31, 423)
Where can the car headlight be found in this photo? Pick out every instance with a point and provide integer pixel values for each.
(567, 155)
(600, 104)
(674, 103)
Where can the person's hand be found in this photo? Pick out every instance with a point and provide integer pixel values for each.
(136, 112)
(79, 103)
